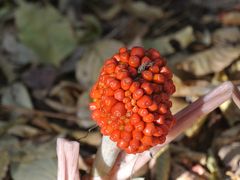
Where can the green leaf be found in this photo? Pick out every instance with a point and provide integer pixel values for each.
(45, 31)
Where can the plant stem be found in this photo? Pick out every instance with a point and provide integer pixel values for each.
(105, 158)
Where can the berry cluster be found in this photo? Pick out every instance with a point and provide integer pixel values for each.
(131, 99)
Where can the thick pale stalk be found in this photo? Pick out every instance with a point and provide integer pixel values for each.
(124, 168)
(105, 158)
(68, 154)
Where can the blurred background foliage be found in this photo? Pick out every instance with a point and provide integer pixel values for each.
(50, 55)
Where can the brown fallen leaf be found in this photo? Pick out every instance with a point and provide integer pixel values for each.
(231, 18)
(226, 35)
(88, 68)
(230, 156)
(184, 37)
(191, 88)
(91, 138)
(24, 131)
(4, 163)
(210, 61)
(231, 112)
(142, 10)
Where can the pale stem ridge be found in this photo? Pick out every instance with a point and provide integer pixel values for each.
(68, 154)
(125, 165)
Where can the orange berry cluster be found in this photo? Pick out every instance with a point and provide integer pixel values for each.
(131, 99)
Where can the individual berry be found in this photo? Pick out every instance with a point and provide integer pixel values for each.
(148, 118)
(135, 118)
(137, 51)
(158, 78)
(134, 61)
(144, 102)
(137, 134)
(147, 140)
(124, 57)
(139, 126)
(126, 83)
(122, 50)
(126, 136)
(135, 85)
(147, 87)
(138, 94)
(118, 110)
(122, 144)
(114, 84)
(149, 129)
(119, 94)
(147, 75)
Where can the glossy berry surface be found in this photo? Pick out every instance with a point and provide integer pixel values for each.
(131, 99)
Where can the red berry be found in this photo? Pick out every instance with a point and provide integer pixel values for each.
(137, 51)
(147, 75)
(158, 78)
(118, 110)
(149, 129)
(144, 102)
(134, 61)
(147, 87)
(126, 136)
(119, 94)
(122, 144)
(138, 94)
(147, 140)
(126, 83)
(139, 126)
(124, 57)
(137, 134)
(148, 118)
(135, 118)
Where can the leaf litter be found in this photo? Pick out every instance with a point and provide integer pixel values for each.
(51, 54)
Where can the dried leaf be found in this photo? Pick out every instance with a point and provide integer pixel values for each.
(226, 35)
(88, 68)
(196, 127)
(83, 111)
(8, 69)
(90, 30)
(41, 169)
(177, 104)
(91, 138)
(142, 10)
(234, 71)
(16, 95)
(231, 18)
(183, 37)
(216, 4)
(163, 165)
(45, 31)
(4, 162)
(40, 77)
(231, 112)
(230, 156)
(180, 173)
(110, 13)
(210, 61)
(19, 54)
(191, 88)
(24, 131)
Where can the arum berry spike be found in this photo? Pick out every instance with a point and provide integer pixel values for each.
(130, 96)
